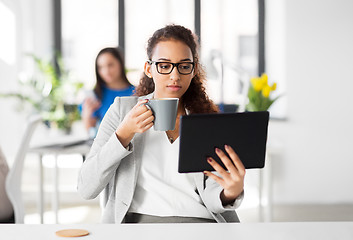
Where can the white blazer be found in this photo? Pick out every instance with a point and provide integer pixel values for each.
(109, 167)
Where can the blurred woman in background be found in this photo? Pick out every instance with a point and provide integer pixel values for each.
(111, 82)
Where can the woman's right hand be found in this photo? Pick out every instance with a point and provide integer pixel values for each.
(89, 106)
(138, 120)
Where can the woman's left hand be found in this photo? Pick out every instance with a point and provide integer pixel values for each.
(232, 178)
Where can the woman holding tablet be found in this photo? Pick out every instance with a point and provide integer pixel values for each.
(135, 167)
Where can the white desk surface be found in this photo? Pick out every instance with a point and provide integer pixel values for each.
(77, 149)
(195, 231)
(52, 146)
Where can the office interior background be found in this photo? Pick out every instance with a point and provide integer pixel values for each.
(308, 52)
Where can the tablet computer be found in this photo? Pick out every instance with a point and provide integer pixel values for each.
(200, 134)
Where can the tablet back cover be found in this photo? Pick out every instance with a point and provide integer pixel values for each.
(245, 132)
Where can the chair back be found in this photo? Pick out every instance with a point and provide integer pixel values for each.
(6, 211)
(14, 177)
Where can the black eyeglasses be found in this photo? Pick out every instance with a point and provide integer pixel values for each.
(184, 68)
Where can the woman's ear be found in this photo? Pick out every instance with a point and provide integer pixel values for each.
(195, 70)
(147, 69)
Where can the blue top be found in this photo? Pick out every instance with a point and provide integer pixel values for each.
(108, 96)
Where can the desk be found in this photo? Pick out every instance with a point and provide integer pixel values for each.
(205, 231)
(82, 149)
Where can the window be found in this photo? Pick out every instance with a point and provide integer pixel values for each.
(87, 27)
(144, 20)
(229, 32)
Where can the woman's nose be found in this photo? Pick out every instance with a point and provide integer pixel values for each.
(174, 75)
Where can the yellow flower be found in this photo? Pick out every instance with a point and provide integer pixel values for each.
(264, 78)
(256, 83)
(266, 91)
(259, 94)
(274, 87)
(259, 82)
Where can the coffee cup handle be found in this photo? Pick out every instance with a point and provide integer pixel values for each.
(147, 106)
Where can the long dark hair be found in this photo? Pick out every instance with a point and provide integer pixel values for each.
(195, 98)
(115, 52)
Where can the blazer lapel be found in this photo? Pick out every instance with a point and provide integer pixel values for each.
(138, 142)
(199, 181)
(149, 96)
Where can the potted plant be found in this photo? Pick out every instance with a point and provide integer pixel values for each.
(49, 93)
(259, 94)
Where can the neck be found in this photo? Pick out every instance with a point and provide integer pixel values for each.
(181, 109)
(174, 134)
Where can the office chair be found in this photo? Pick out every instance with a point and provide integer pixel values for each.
(6, 211)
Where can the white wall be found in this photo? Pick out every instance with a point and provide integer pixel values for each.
(316, 161)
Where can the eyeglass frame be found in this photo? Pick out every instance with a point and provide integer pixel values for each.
(174, 65)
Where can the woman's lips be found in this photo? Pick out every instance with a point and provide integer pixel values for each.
(174, 87)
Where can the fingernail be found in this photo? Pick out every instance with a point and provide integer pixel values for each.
(226, 146)
(218, 150)
(205, 173)
(209, 160)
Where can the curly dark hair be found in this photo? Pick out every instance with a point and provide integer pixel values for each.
(195, 98)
